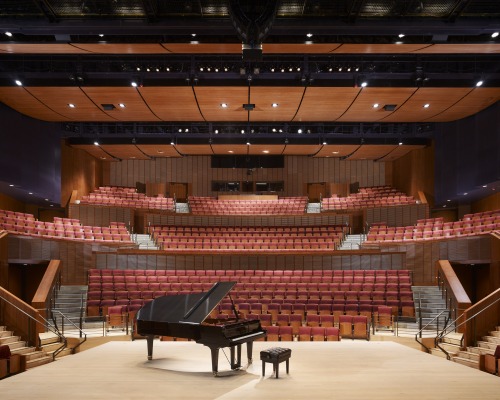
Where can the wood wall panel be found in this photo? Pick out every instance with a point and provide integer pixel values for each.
(415, 172)
(487, 204)
(298, 171)
(79, 171)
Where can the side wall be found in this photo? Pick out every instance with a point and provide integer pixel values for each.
(415, 172)
(79, 171)
(196, 170)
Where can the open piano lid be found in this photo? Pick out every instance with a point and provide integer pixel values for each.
(187, 308)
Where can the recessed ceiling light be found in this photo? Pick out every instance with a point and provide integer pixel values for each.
(400, 143)
(71, 105)
(275, 105)
(448, 200)
(121, 105)
(46, 199)
(364, 84)
(465, 194)
(186, 130)
(18, 82)
(9, 34)
(375, 105)
(30, 193)
(485, 186)
(159, 151)
(401, 35)
(172, 143)
(101, 34)
(216, 131)
(265, 151)
(223, 105)
(248, 143)
(230, 151)
(444, 205)
(309, 35)
(426, 105)
(324, 143)
(134, 84)
(335, 152)
(242, 131)
(11, 185)
(96, 143)
(103, 158)
(399, 42)
(299, 130)
(193, 34)
(479, 83)
(133, 157)
(493, 35)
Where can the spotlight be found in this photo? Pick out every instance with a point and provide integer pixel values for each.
(364, 84)
(275, 105)
(9, 34)
(493, 35)
(96, 143)
(134, 84)
(427, 105)
(299, 130)
(401, 35)
(172, 143)
(479, 83)
(309, 35)
(18, 82)
(325, 143)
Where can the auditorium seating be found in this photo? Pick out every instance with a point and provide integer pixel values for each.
(436, 228)
(248, 238)
(376, 196)
(62, 228)
(293, 296)
(282, 206)
(127, 197)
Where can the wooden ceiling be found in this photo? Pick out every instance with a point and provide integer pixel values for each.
(225, 104)
(118, 152)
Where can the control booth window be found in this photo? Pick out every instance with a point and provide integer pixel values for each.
(220, 186)
(269, 187)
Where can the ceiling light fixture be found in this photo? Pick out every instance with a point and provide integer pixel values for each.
(134, 84)
(309, 35)
(101, 35)
(121, 105)
(364, 84)
(18, 82)
(96, 143)
(71, 105)
(335, 152)
(274, 105)
(400, 143)
(325, 143)
(9, 34)
(248, 143)
(172, 143)
(299, 130)
(401, 35)
(265, 151)
(493, 35)
(230, 151)
(427, 105)
(479, 83)
(223, 105)
(375, 105)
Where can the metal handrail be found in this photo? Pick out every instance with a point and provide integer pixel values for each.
(443, 333)
(47, 326)
(72, 323)
(426, 325)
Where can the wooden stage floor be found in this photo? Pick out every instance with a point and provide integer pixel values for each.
(318, 370)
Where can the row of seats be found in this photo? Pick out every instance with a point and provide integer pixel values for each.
(63, 228)
(211, 206)
(430, 229)
(127, 197)
(346, 274)
(378, 196)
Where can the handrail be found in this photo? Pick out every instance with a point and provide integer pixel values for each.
(443, 333)
(426, 325)
(72, 323)
(44, 323)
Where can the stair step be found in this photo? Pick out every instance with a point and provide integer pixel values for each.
(48, 338)
(468, 354)
(480, 350)
(17, 345)
(35, 355)
(495, 333)
(39, 361)
(487, 345)
(9, 339)
(438, 353)
(492, 339)
(50, 348)
(5, 333)
(23, 350)
(466, 361)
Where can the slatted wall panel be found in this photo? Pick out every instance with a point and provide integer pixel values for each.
(101, 215)
(208, 220)
(403, 215)
(196, 170)
(157, 260)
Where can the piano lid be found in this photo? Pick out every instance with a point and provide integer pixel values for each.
(189, 308)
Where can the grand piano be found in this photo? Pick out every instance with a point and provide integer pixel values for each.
(186, 316)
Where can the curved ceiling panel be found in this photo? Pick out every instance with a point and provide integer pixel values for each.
(172, 103)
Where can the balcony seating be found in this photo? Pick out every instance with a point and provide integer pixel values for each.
(378, 196)
(435, 228)
(212, 206)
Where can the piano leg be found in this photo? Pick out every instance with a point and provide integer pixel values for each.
(238, 358)
(249, 351)
(150, 339)
(215, 360)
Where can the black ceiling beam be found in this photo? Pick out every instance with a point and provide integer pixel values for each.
(458, 9)
(223, 26)
(354, 10)
(47, 10)
(150, 9)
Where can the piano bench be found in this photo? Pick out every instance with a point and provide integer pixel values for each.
(275, 355)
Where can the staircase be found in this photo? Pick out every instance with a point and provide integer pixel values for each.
(144, 241)
(471, 356)
(30, 356)
(70, 302)
(352, 242)
(432, 304)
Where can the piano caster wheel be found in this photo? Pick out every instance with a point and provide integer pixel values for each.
(150, 357)
(215, 374)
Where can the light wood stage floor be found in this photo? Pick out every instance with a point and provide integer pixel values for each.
(318, 370)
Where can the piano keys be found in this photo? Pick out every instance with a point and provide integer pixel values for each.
(186, 316)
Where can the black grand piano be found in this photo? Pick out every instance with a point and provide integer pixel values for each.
(185, 316)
